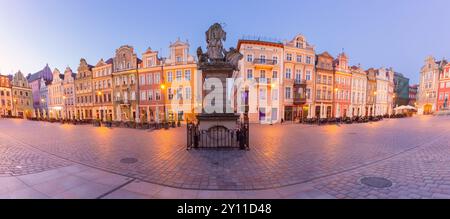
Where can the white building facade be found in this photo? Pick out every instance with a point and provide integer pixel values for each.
(359, 92)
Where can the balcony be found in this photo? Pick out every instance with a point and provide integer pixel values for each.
(122, 102)
(299, 82)
(299, 99)
(265, 63)
(263, 81)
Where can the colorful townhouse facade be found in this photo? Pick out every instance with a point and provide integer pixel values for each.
(39, 82)
(325, 86)
(151, 85)
(359, 92)
(413, 90)
(266, 87)
(84, 95)
(180, 78)
(428, 86)
(55, 96)
(102, 85)
(68, 97)
(382, 93)
(343, 88)
(444, 88)
(299, 77)
(22, 96)
(371, 91)
(6, 104)
(125, 88)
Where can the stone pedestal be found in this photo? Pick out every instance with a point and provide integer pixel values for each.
(222, 71)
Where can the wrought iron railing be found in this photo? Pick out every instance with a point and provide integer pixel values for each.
(265, 61)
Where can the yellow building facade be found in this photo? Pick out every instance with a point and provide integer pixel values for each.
(180, 79)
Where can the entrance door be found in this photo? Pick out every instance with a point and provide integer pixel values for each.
(317, 112)
(262, 114)
(274, 114)
(328, 111)
(288, 113)
(427, 109)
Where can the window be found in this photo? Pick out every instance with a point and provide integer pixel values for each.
(308, 93)
(142, 79)
(249, 73)
(187, 75)
(133, 95)
(274, 74)
(308, 60)
(274, 94)
(262, 94)
(157, 78)
(169, 76)
(149, 78)
(150, 95)
(178, 59)
(299, 58)
(143, 95)
(298, 75)
(169, 93)
(150, 62)
(287, 93)
(157, 95)
(289, 57)
(249, 58)
(262, 59)
(179, 75)
(299, 44)
(319, 94)
(275, 60)
(308, 75)
(179, 93)
(188, 93)
(288, 73)
(262, 74)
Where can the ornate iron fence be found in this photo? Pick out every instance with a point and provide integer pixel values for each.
(218, 137)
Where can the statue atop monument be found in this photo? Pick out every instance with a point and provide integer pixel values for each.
(214, 37)
(216, 54)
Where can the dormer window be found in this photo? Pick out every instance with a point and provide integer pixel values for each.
(178, 59)
(299, 43)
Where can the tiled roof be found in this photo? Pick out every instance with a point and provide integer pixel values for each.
(46, 73)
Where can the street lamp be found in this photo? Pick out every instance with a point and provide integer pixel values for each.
(272, 86)
(65, 106)
(99, 95)
(334, 100)
(163, 87)
(15, 107)
(43, 106)
(374, 102)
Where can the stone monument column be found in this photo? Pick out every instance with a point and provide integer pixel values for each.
(216, 66)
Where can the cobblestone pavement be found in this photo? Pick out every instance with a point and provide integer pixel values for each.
(330, 160)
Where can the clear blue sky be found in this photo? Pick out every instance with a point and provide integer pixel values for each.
(375, 33)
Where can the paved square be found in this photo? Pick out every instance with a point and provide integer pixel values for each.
(44, 160)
